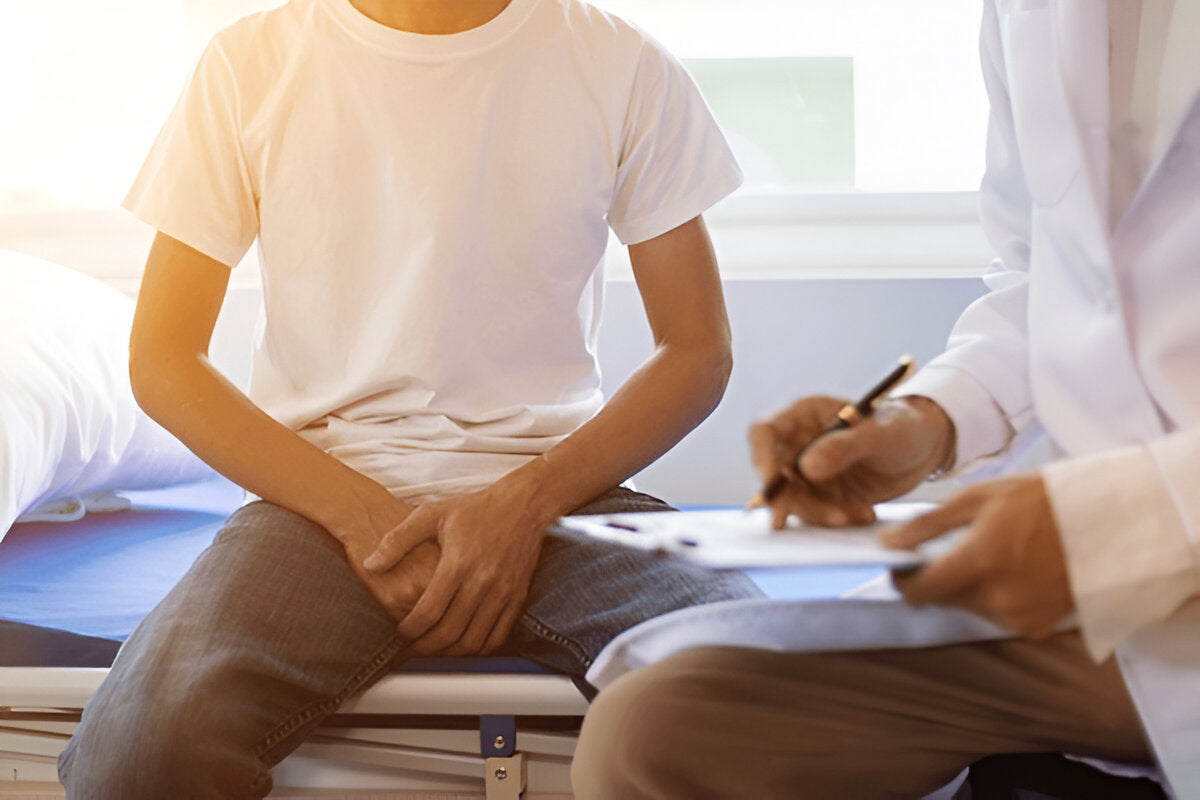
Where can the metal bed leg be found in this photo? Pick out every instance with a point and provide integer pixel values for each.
(505, 779)
(504, 767)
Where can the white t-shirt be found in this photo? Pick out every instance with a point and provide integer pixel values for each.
(432, 214)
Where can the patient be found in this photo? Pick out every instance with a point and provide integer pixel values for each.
(431, 185)
(1089, 331)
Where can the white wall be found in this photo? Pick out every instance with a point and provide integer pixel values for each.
(791, 337)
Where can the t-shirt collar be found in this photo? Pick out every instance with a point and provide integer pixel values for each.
(419, 45)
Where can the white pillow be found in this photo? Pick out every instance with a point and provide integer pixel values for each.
(69, 426)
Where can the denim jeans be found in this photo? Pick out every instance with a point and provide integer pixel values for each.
(270, 632)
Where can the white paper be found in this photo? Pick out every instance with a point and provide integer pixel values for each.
(737, 538)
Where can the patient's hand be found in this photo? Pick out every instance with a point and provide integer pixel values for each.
(489, 546)
(399, 588)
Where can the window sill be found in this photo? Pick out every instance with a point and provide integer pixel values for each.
(842, 234)
(758, 235)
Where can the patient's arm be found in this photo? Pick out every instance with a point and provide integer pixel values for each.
(672, 392)
(181, 294)
(490, 539)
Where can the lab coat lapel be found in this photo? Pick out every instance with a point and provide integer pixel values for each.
(1176, 169)
(1081, 44)
(1175, 165)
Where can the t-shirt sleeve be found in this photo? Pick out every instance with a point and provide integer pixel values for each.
(194, 185)
(674, 162)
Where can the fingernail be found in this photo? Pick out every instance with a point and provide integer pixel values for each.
(373, 563)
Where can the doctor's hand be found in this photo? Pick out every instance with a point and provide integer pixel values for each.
(836, 478)
(1010, 567)
(488, 547)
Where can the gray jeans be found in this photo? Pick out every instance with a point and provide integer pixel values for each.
(270, 632)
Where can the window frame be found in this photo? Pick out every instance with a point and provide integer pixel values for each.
(840, 234)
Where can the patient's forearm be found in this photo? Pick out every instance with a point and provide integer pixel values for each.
(668, 396)
(191, 399)
(672, 392)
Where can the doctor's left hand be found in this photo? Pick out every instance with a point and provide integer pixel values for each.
(1010, 567)
(489, 550)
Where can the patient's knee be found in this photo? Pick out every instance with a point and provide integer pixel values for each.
(173, 750)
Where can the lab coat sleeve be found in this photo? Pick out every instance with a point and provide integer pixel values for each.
(982, 379)
(1128, 519)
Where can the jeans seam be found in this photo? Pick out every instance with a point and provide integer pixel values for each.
(329, 704)
(576, 649)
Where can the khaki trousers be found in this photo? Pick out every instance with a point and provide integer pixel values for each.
(750, 724)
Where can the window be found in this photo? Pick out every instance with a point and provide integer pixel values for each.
(84, 88)
(859, 124)
(902, 77)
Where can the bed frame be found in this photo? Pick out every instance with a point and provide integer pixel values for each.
(497, 728)
(436, 729)
(476, 734)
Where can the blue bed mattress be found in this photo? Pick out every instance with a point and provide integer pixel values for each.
(70, 592)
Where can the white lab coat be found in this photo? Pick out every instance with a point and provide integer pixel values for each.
(1091, 330)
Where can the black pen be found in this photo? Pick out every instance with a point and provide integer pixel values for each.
(848, 415)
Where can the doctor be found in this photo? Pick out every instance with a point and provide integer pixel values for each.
(1090, 332)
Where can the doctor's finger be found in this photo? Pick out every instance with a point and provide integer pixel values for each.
(946, 580)
(776, 442)
(770, 454)
(833, 453)
(817, 507)
(958, 511)
(1003, 603)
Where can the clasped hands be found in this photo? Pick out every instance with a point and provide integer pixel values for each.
(1009, 568)
(454, 573)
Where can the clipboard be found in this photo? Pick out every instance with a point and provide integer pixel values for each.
(737, 538)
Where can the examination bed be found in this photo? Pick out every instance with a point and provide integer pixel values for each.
(436, 728)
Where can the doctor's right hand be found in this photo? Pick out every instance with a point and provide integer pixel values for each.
(836, 478)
